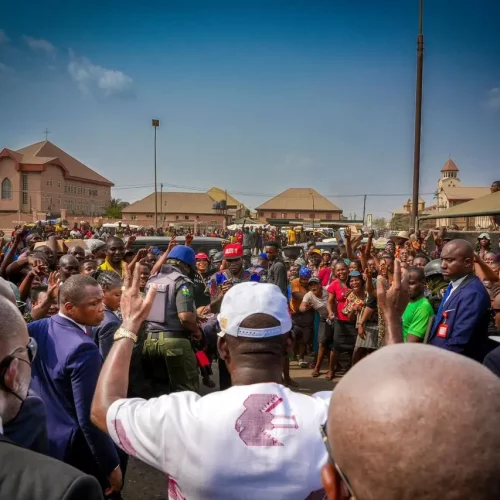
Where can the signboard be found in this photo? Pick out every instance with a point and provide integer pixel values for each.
(369, 220)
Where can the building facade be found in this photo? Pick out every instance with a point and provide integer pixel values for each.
(193, 211)
(299, 206)
(451, 193)
(44, 180)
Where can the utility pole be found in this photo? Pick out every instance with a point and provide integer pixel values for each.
(314, 214)
(156, 124)
(418, 118)
(364, 208)
(161, 204)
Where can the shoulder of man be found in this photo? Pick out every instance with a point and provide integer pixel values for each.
(26, 474)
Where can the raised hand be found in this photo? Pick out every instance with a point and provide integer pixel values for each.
(133, 307)
(394, 300)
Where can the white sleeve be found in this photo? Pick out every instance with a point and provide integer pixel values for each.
(153, 430)
(323, 396)
(307, 298)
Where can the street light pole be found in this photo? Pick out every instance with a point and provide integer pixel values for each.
(418, 118)
(156, 124)
(161, 204)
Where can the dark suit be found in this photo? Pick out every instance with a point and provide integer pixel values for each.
(26, 475)
(467, 318)
(64, 374)
(29, 428)
(103, 334)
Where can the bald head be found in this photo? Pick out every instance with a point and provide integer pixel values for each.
(13, 330)
(457, 259)
(6, 291)
(416, 422)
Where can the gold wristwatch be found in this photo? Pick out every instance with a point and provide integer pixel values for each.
(121, 333)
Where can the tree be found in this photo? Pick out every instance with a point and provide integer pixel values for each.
(115, 207)
(380, 224)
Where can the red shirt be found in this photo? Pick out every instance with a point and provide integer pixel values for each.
(341, 292)
(239, 238)
(324, 275)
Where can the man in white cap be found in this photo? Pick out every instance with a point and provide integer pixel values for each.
(257, 439)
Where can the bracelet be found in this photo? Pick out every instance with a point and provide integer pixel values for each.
(122, 333)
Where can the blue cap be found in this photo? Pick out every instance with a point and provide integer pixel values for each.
(263, 256)
(354, 274)
(305, 272)
(184, 254)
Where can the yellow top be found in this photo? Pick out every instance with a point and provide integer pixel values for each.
(106, 266)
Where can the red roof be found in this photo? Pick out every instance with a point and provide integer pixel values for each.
(449, 166)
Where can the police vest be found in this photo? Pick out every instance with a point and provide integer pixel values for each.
(163, 316)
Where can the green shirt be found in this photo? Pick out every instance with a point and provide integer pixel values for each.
(416, 318)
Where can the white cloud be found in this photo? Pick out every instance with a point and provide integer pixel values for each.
(40, 45)
(3, 37)
(494, 99)
(98, 81)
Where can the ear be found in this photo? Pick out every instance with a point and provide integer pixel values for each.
(332, 483)
(9, 379)
(223, 348)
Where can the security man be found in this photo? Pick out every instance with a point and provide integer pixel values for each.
(436, 285)
(168, 359)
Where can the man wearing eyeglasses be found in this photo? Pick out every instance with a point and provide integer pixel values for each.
(23, 473)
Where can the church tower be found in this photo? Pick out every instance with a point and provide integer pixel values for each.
(449, 176)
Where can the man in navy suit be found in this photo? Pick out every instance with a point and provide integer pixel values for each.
(65, 374)
(461, 324)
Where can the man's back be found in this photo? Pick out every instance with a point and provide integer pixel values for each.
(64, 375)
(26, 475)
(264, 444)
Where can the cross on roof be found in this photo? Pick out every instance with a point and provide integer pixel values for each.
(46, 132)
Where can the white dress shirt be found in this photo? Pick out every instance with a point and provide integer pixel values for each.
(83, 327)
(454, 285)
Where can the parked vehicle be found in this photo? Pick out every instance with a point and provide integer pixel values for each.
(200, 244)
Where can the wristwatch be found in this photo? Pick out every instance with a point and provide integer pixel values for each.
(121, 333)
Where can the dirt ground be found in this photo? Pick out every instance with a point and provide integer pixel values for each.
(142, 482)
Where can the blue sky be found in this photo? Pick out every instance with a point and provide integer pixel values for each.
(256, 96)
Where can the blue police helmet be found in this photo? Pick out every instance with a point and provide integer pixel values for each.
(305, 272)
(184, 254)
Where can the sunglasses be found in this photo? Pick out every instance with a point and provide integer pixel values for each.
(344, 479)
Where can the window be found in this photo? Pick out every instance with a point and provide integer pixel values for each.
(186, 217)
(329, 216)
(197, 217)
(297, 216)
(283, 215)
(176, 217)
(274, 215)
(49, 182)
(261, 214)
(133, 217)
(149, 216)
(58, 183)
(6, 189)
(311, 216)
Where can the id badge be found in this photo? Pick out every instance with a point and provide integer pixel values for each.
(442, 331)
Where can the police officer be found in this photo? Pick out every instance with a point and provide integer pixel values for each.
(436, 285)
(168, 358)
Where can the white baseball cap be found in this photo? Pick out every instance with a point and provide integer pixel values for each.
(244, 300)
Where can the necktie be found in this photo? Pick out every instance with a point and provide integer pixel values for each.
(445, 298)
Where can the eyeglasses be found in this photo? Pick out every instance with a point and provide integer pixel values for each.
(31, 349)
(344, 479)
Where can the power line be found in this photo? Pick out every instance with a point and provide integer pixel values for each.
(268, 195)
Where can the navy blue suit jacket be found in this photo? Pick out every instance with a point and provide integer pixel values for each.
(468, 316)
(104, 333)
(64, 375)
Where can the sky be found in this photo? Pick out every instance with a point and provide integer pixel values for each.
(257, 96)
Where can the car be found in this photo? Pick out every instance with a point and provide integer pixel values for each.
(200, 244)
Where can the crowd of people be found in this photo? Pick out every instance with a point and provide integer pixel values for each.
(103, 349)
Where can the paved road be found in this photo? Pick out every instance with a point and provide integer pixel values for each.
(145, 483)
